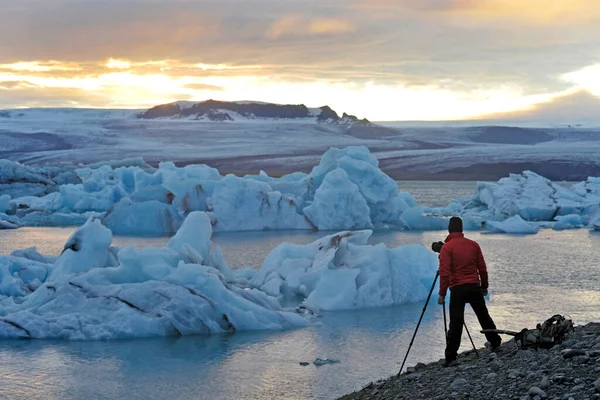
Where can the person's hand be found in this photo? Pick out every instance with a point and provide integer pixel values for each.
(484, 292)
(441, 299)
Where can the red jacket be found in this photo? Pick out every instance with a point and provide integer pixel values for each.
(461, 262)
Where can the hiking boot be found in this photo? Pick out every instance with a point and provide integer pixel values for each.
(449, 363)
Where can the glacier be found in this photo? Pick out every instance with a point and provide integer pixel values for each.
(95, 291)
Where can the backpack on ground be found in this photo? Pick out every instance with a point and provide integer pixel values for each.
(546, 335)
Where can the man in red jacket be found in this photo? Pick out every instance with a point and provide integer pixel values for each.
(463, 270)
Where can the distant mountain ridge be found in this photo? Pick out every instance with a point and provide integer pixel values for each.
(213, 110)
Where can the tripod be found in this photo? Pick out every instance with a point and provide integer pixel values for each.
(437, 274)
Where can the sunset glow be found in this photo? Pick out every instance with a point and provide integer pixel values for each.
(380, 59)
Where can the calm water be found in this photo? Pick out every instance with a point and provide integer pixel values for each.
(532, 277)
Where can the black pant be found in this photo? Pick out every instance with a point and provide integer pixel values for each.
(459, 296)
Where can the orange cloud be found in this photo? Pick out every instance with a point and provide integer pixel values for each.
(330, 26)
(540, 11)
(301, 26)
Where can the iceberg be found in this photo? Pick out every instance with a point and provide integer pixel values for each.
(5, 203)
(347, 190)
(516, 225)
(94, 290)
(97, 291)
(571, 221)
(338, 204)
(342, 271)
(531, 197)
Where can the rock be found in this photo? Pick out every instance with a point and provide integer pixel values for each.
(413, 377)
(545, 383)
(496, 365)
(532, 376)
(581, 360)
(304, 363)
(534, 364)
(596, 396)
(578, 388)
(536, 391)
(419, 366)
(459, 383)
(491, 375)
(570, 353)
(595, 353)
(597, 385)
(567, 344)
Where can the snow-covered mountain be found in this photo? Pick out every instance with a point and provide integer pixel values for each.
(213, 110)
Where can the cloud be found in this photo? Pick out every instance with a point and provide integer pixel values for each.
(574, 107)
(203, 86)
(15, 84)
(299, 26)
(462, 46)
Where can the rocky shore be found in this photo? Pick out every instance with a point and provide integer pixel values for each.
(567, 371)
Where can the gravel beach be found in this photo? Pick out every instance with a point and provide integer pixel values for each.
(570, 370)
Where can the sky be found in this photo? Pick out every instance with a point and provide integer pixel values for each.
(379, 59)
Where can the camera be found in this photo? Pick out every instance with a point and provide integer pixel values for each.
(437, 246)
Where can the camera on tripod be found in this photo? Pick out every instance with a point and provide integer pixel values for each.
(437, 246)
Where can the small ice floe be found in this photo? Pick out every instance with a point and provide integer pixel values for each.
(319, 361)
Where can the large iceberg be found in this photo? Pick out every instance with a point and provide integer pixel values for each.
(347, 190)
(342, 271)
(96, 291)
(530, 197)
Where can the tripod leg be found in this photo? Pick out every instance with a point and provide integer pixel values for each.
(437, 274)
(471, 339)
(445, 324)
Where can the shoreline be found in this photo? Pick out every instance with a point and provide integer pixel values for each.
(570, 370)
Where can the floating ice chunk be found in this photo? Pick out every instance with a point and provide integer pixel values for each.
(21, 276)
(595, 221)
(5, 203)
(514, 224)
(77, 199)
(571, 221)
(342, 272)
(33, 254)
(338, 204)
(11, 171)
(39, 218)
(147, 218)
(195, 232)
(87, 248)
(322, 361)
(246, 205)
(528, 195)
(413, 219)
(91, 294)
(4, 224)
